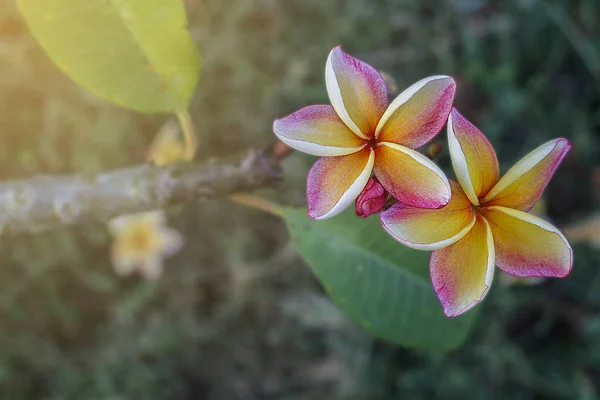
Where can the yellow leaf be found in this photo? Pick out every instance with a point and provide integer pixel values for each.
(137, 54)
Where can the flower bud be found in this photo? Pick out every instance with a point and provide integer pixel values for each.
(372, 199)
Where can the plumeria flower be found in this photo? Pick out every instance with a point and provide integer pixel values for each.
(360, 134)
(141, 241)
(486, 222)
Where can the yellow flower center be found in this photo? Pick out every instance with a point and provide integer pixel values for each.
(141, 239)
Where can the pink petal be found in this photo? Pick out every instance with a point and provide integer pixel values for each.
(473, 157)
(527, 245)
(317, 130)
(426, 229)
(411, 177)
(524, 183)
(356, 91)
(418, 113)
(462, 273)
(335, 182)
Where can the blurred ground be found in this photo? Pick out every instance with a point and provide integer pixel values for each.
(237, 315)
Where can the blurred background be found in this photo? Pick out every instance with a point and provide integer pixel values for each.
(236, 313)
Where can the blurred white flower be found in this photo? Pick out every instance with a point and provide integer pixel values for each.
(141, 242)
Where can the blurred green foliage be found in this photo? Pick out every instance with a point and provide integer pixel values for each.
(237, 314)
(135, 53)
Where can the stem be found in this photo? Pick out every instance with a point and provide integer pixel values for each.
(257, 203)
(45, 202)
(189, 134)
(281, 150)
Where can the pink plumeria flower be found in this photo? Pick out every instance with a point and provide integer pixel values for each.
(486, 222)
(360, 134)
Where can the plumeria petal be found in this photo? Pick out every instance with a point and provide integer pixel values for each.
(356, 91)
(524, 183)
(527, 245)
(425, 229)
(335, 182)
(151, 268)
(473, 157)
(462, 273)
(123, 260)
(411, 177)
(317, 130)
(418, 113)
(172, 241)
(125, 222)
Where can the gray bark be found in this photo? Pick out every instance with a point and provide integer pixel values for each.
(45, 202)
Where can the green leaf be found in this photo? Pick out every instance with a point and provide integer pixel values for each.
(137, 54)
(381, 284)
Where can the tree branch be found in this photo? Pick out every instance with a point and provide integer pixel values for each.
(45, 202)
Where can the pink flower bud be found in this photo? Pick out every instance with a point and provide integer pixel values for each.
(372, 199)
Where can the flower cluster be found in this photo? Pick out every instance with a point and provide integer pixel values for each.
(368, 150)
